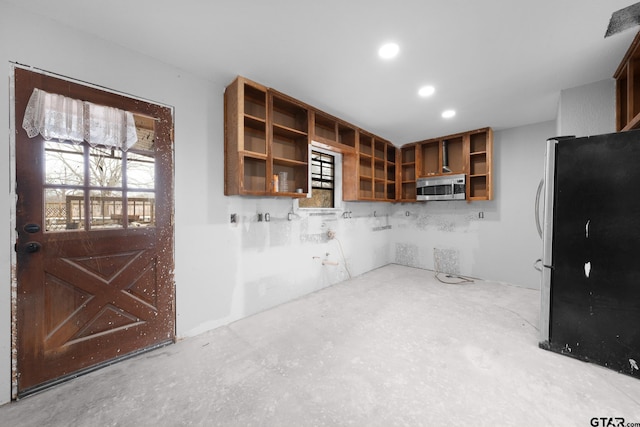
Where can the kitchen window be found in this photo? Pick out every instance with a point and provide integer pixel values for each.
(325, 173)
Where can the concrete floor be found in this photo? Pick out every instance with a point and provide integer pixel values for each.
(391, 347)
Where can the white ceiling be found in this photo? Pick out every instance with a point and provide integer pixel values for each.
(499, 63)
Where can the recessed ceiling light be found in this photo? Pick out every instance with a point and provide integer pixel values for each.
(447, 114)
(425, 91)
(388, 51)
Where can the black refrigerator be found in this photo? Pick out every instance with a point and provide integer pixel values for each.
(590, 292)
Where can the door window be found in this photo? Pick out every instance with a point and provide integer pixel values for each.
(97, 188)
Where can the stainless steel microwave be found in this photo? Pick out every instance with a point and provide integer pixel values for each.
(447, 187)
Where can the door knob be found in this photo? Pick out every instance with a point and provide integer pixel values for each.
(32, 247)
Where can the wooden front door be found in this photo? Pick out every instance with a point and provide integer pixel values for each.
(94, 245)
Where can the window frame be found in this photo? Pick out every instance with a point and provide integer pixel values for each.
(337, 178)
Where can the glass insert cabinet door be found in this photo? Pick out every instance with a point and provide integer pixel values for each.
(93, 188)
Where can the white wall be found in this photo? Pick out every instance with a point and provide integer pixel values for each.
(5, 209)
(258, 265)
(222, 272)
(588, 109)
(505, 244)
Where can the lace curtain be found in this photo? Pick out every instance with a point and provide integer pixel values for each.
(58, 117)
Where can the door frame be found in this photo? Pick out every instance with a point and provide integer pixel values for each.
(13, 235)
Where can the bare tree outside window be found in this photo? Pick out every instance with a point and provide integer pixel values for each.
(114, 189)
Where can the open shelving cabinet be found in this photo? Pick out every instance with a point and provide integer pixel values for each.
(627, 78)
(468, 153)
(266, 133)
(480, 182)
(376, 169)
(407, 173)
(442, 156)
(333, 131)
(289, 135)
(245, 138)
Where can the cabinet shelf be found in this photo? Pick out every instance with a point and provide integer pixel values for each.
(325, 128)
(379, 152)
(478, 163)
(289, 162)
(253, 155)
(286, 148)
(254, 175)
(288, 115)
(477, 187)
(255, 140)
(293, 195)
(478, 142)
(334, 131)
(287, 131)
(255, 102)
(347, 135)
(365, 147)
(253, 121)
(408, 172)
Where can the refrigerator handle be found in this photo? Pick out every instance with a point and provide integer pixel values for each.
(537, 207)
(547, 235)
(549, 184)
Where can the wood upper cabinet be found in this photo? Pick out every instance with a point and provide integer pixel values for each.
(266, 134)
(480, 166)
(407, 172)
(627, 78)
(375, 167)
(245, 140)
(468, 153)
(332, 131)
(289, 142)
